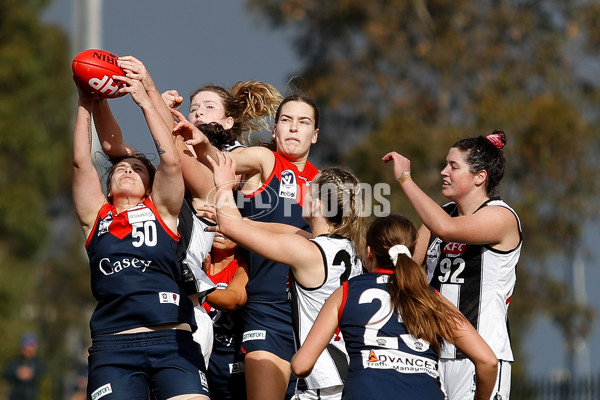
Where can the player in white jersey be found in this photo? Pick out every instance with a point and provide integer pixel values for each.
(332, 209)
(472, 246)
(394, 325)
(340, 263)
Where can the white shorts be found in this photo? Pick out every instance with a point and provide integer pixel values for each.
(329, 393)
(458, 379)
(204, 334)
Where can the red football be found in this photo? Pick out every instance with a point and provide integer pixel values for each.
(93, 70)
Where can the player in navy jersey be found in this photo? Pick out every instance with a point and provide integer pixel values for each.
(332, 208)
(223, 115)
(226, 267)
(394, 325)
(273, 191)
(142, 326)
(472, 245)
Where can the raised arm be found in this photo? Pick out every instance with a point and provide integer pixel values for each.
(490, 225)
(87, 190)
(319, 336)
(249, 161)
(109, 132)
(167, 189)
(135, 69)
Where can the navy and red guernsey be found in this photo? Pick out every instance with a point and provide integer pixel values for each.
(386, 362)
(279, 200)
(268, 314)
(135, 276)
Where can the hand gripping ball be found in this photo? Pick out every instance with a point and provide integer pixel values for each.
(93, 70)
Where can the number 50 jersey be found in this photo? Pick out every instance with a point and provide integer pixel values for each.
(135, 275)
(479, 281)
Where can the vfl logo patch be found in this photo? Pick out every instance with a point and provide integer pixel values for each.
(169, 298)
(101, 391)
(287, 184)
(254, 335)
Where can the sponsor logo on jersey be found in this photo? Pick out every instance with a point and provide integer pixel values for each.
(236, 368)
(434, 249)
(105, 223)
(454, 249)
(168, 298)
(383, 279)
(140, 215)
(287, 184)
(372, 357)
(101, 391)
(254, 335)
(399, 361)
(108, 267)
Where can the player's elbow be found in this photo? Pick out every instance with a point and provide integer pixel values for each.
(487, 365)
(301, 368)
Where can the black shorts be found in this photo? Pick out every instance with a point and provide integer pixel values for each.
(129, 366)
(225, 374)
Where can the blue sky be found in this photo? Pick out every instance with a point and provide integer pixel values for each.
(189, 43)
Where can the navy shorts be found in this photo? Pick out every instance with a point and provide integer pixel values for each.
(226, 379)
(166, 363)
(268, 327)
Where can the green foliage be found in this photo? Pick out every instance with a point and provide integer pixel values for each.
(414, 76)
(44, 279)
(35, 125)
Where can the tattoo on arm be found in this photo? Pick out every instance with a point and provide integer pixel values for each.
(89, 129)
(158, 148)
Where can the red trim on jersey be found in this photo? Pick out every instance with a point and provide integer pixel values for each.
(384, 271)
(344, 298)
(224, 276)
(120, 226)
(508, 300)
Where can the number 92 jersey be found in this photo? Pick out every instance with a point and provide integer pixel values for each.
(479, 281)
(135, 276)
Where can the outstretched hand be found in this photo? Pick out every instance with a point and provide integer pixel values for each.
(401, 163)
(188, 131)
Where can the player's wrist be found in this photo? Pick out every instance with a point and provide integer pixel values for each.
(403, 177)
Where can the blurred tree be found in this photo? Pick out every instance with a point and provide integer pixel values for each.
(415, 76)
(40, 273)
